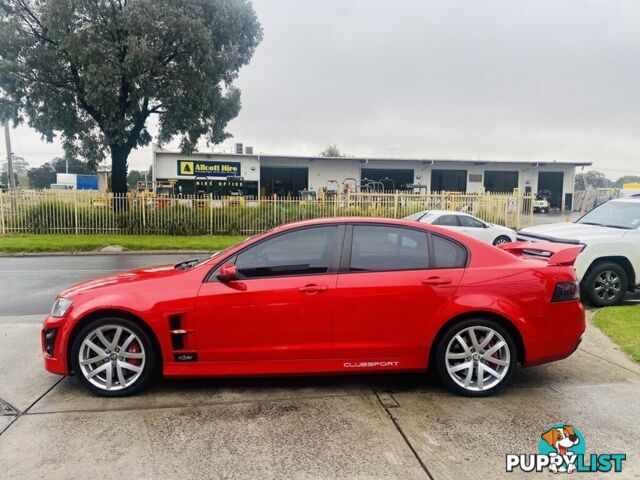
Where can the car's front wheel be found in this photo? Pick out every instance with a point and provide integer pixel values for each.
(605, 284)
(113, 357)
(476, 357)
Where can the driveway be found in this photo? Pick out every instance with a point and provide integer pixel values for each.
(402, 426)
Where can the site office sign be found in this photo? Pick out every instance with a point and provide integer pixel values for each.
(208, 168)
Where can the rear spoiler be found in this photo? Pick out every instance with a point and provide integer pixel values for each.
(555, 253)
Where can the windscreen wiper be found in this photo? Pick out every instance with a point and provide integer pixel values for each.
(186, 264)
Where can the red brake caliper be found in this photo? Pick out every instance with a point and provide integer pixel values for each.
(134, 348)
(488, 346)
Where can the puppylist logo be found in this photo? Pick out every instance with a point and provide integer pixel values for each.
(562, 449)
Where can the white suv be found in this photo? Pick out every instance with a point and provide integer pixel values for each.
(608, 265)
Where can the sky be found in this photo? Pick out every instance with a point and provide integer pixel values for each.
(538, 80)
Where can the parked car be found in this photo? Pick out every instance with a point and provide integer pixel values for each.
(340, 295)
(608, 265)
(467, 224)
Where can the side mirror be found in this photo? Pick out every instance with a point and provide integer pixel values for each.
(228, 272)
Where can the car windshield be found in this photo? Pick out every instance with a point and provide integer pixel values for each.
(419, 217)
(415, 216)
(625, 215)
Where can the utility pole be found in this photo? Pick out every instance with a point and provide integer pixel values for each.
(7, 142)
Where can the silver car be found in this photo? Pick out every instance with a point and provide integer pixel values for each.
(467, 224)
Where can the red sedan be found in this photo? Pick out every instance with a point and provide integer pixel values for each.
(340, 295)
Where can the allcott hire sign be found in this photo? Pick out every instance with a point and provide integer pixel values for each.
(208, 168)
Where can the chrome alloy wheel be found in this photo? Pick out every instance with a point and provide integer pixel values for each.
(501, 241)
(477, 358)
(111, 357)
(607, 285)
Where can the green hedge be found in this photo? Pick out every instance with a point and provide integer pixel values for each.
(60, 217)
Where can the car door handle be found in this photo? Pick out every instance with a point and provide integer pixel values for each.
(312, 289)
(436, 281)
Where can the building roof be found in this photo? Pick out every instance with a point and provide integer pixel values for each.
(365, 159)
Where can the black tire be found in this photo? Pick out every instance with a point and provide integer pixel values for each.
(148, 365)
(594, 279)
(501, 239)
(461, 327)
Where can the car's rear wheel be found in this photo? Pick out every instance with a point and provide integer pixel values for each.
(501, 239)
(605, 284)
(476, 357)
(113, 357)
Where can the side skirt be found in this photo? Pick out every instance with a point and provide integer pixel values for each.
(348, 366)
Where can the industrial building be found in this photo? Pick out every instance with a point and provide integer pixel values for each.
(263, 175)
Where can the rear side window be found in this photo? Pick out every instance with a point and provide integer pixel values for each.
(447, 253)
(301, 252)
(447, 220)
(467, 221)
(383, 248)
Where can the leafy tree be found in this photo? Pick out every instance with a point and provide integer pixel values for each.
(135, 176)
(592, 178)
(76, 165)
(331, 151)
(4, 178)
(626, 179)
(94, 71)
(20, 165)
(42, 176)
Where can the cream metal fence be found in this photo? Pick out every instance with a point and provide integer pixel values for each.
(64, 211)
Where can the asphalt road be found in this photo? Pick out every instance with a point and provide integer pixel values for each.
(30, 284)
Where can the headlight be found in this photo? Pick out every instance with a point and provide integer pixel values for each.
(60, 307)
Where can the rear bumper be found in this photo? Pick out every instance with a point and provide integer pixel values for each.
(564, 327)
(55, 359)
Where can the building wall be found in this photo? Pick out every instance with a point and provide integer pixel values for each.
(321, 171)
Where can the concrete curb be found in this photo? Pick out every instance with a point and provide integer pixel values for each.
(102, 254)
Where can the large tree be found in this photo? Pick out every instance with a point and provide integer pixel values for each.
(331, 151)
(626, 179)
(591, 178)
(94, 71)
(44, 175)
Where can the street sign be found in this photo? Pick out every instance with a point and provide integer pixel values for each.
(512, 204)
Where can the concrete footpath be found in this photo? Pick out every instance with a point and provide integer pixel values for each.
(402, 426)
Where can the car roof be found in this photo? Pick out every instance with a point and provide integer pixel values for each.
(442, 212)
(447, 212)
(334, 220)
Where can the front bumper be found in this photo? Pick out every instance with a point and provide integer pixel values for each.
(52, 338)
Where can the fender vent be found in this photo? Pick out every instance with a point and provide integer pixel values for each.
(175, 322)
(177, 333)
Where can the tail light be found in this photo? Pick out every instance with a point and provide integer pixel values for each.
(566, 291)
